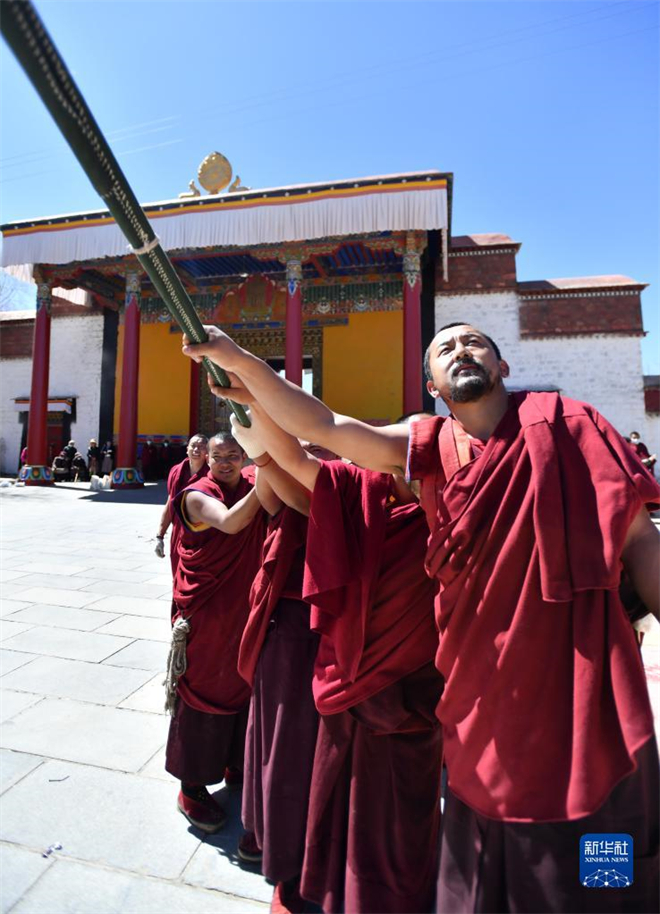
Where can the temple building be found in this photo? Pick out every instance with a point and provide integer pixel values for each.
(338, 285)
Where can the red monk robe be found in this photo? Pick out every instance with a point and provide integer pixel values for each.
(374, 807)
(545, 708)
(277, 658)
(211, 589)
(179, 478)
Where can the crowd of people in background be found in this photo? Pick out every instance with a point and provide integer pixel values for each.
(154, 461)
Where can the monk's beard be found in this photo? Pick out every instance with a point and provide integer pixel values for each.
(466, 388)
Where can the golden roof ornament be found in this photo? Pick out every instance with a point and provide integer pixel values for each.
(214, 174)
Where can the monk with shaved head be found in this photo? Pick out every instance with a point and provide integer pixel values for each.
(536, 506)
(219, 552)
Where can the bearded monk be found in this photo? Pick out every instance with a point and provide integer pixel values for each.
(222, 532)
(535, 505)
(182, 475)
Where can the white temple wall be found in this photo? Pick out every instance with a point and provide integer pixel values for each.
(76, 345)
(15, 376)
(600, 369)
(651, 435)
(75, 371)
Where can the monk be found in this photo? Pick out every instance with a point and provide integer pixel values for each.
(222, 532)
(276, 658)
(183, 474)
(374, 685)
(535, 505)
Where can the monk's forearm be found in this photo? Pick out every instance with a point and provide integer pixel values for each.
(302, 415)
(268, 497)
(641, 559)
(285, 487)
(290, 407)
(242, 513)
(285, 450)
(165, 519)
(203, 509)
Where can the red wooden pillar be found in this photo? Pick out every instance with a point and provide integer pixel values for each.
(126, 475)
(36, 471)
(293, 361)
(412, 332)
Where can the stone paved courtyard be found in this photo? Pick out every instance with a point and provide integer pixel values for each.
(85, 624)
(84, 628)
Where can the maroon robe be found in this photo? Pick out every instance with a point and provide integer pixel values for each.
(179, 478)
(277, 658)
(374, 806)
(211, 590)
(535, 647)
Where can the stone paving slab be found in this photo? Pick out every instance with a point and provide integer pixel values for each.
(139, 627)
(149, 697)
(82, 620)
(54, 568)
(10, 575)
(58, 597)
(9, 628)
(105, 817)
(80, 732)
(8, 607)
(12, 592)
(59, 642)
(14, 766)
(155, 767)
(140, 655)
(131, 606)
(123, 589)
(13, 703)
(76, 679)
(114, 562)
(119, 574)
(20, 870)
(58, 581)
(11, 660)
(81, 888)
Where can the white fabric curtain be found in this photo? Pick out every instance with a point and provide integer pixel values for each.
(265, 222)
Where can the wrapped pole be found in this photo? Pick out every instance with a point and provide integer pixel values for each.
(26, 36)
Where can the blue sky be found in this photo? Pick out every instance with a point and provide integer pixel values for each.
(546, 112)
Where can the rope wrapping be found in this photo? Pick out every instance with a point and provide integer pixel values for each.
(35, 51)
(177, 663)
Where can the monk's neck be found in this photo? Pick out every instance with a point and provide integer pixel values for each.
(195, 466)
(481, 418)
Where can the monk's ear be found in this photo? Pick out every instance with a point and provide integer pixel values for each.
(432, 390)
(505, 371)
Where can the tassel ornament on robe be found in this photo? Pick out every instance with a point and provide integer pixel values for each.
(176, 662)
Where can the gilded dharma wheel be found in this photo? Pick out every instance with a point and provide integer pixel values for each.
(214, 173)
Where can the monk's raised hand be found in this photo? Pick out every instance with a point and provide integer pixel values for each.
(219, 348)
(248, 438)
(236, 392)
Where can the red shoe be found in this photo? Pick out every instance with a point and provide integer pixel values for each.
(248, 849)
(287, 900)
(233, 778)
(202, 811)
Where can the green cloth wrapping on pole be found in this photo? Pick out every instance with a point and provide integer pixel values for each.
(26, 36)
